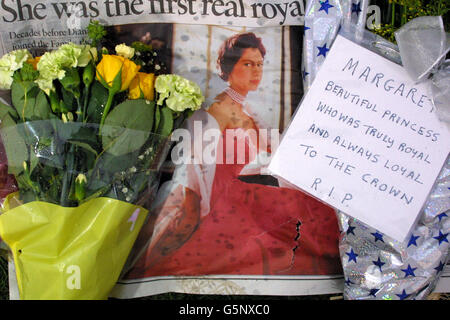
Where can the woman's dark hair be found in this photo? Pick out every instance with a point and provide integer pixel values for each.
(231, 51)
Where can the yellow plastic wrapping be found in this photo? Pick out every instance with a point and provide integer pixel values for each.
(70, 253)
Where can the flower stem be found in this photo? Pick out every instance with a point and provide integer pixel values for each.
(85, 103)
(107, 107)
(67, 180)
(393, 15)
(27, 174)
(79, 110)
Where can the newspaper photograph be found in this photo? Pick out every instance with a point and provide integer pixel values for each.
(225, 219)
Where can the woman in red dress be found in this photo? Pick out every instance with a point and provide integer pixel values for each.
(247, 228)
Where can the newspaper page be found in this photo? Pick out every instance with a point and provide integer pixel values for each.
(42, 25)
(140, 288)
(220, 224)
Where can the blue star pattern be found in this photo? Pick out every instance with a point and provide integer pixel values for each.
(403, 295)
(305, 28)
(378, 236)
(350, 230)
(323, 50)
(325, 5)
(373, 292)
(348, 282)
(442, 215)
(412, 240)
(409, 271)
(441, 237)
(304, 74)
(405, 282)
(356, 7)
(378, 263)
(351, 255)
(440, 267)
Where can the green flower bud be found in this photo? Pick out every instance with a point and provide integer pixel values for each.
(80, 187)
(88, 74)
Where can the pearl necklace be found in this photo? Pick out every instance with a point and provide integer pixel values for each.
(235, 96)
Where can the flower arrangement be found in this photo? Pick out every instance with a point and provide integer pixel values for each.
(85, 135)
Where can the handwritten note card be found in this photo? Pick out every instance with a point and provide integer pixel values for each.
(365, 140)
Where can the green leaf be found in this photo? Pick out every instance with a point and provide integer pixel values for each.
(96, 194)
(20, 98)
(76, 131)
(15, 147)
(34, 160)
(27, 196)
(69, 101)
(166, 123)
(128, 126)
(42, 108)
(30, 102)
(71, 80)
(117, 82)
(97, 102)
(84, 145)
(157, 117)
(110, 164)
(5, 109)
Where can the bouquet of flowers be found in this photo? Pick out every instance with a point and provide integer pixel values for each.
(85, 136)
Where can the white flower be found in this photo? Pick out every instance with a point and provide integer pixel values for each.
(178, 93)
(81, 178)
(133, 169)
(52, 64)
(9, 63)
(125, 51)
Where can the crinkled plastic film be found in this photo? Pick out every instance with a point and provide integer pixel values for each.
(70, 253)
(389, 269)
(386, 269)
(76, 250)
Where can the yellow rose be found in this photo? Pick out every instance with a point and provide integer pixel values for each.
(143, 82)
(109, 67)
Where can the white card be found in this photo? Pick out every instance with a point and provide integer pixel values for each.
(365, 140)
